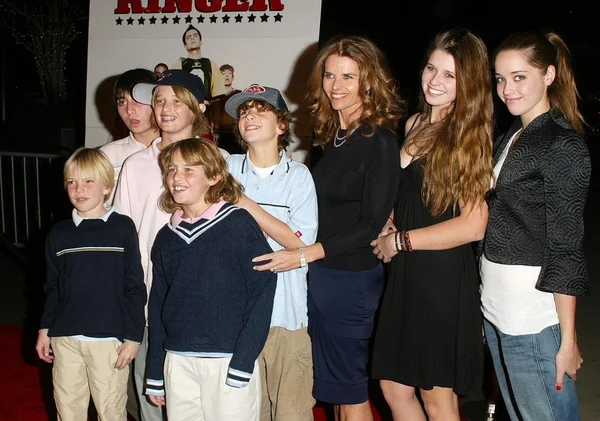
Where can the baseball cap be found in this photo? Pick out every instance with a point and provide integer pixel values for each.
(252, 93)
(142, 92)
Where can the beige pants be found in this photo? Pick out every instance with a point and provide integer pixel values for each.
(195, 390)
(133, 408)
(286, 371)
(84, 367)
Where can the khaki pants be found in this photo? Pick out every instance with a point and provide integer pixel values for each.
(195, 390)
(84, 367)
(133, 408)
(287, 376)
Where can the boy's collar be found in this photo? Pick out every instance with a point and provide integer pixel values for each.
(209, 213)
(248, 164)
(78, 219)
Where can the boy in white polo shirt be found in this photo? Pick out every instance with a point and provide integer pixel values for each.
(285, 189)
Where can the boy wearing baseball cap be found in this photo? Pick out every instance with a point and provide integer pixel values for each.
(285, 189)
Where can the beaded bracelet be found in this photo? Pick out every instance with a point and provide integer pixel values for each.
(407, 240)
(402, 240)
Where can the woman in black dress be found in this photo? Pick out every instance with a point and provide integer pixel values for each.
(428, 336)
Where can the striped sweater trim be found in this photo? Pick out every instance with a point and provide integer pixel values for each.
(155, 387)
(190, 234)
(87, 249)
(237, 378)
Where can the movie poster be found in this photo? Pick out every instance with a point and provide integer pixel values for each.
(230, 44)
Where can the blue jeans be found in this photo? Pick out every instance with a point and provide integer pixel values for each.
(525, 366)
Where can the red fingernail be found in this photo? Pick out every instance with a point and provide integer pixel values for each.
(558, 387)
(390, 229)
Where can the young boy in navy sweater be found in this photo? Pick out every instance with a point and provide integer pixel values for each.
(93, 317)
(209, 310)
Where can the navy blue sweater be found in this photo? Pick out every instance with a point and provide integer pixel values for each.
(95, 282)
(206, 299)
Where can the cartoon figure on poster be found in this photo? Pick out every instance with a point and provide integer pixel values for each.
(195, 63)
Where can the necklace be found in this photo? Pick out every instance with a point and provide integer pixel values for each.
(337, 138)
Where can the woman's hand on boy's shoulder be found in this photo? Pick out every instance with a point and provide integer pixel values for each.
(126, 353)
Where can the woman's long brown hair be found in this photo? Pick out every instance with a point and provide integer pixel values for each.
(458, 148)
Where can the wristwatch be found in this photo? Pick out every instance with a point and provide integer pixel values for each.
(303, 263)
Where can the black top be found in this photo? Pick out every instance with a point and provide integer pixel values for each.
(356, 185)
(536, 208)
(95, 282)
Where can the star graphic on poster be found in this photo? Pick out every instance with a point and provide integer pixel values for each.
(200, 19)
(130, 21)
(152, 20)
(213, 19)
(278, 17)
(176, 19)
(251, 18)
(188, 19)
(119, 21)
(164, 20)
(226, 19)
(141, 21)
(238, 18)
(264, 18)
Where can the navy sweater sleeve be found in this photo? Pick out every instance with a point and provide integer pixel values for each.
(51, 284)
(135, 288)
(156, 330)
(260, 293)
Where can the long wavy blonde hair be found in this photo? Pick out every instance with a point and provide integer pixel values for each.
(459, 147)
(381, 104)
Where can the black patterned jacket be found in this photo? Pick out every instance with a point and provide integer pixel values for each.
(536, 208)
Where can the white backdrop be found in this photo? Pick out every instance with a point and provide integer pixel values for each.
(270, 42)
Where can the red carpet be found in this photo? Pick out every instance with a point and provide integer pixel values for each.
(20, 391)
(21, 397)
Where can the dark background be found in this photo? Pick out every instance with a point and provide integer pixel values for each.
(402, 29)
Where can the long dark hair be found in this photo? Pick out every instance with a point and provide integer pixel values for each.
(459, 147)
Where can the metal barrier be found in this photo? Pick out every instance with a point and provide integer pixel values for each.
(28, 183)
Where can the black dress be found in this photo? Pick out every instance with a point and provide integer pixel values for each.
(429, 327)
